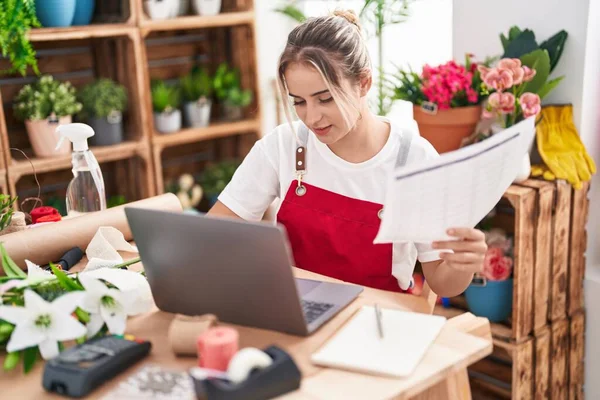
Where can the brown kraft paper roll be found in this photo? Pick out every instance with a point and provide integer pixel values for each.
(49, 242)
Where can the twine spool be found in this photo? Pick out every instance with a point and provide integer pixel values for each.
(216, 347)
(17, 223)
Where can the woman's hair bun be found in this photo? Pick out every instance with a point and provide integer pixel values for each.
(348, 15)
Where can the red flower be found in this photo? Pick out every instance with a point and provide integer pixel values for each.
(496, 266)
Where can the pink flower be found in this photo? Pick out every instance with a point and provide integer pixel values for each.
(497, 267)
(483, 71)
(528, 73)
(530, 104)
(513, 65)
(503, 102)
(498, 79)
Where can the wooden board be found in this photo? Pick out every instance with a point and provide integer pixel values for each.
(541, 367)
(542, 248)
(576, 356)
(523, 201)
(577, 248)
(560, 252)
(559, 360)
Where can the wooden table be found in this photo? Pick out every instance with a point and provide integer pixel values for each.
(441, 374)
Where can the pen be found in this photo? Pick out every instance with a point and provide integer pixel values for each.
(378, 317)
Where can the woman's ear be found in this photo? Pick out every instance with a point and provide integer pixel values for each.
(366, 80)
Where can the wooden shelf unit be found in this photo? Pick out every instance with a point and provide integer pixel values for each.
(235, 26)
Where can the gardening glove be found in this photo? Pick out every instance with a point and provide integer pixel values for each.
(543, 171)
(561, 148)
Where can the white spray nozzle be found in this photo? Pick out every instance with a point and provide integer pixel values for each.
(77, 133)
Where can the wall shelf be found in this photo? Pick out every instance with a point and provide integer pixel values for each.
(227, 19)
(215, 130)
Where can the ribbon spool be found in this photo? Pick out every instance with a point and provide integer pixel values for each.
(216, 347)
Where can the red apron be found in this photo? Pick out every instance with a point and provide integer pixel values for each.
(332, 234)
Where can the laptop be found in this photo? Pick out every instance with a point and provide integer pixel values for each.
(239, 271)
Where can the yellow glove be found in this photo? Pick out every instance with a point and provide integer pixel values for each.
(560, 147)
(543, 171)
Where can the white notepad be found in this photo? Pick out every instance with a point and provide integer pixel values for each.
(358, 347)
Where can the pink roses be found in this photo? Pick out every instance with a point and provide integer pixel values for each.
(497, 265)
(509, 74)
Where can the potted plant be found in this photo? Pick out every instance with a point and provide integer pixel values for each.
(229, 92)
(187, 191)
(196, 88)
(161, 9)
(55, 13)
(491, 292)
(207, 7)
(44, 105)
(446, 101)
(165, 101)
(215, 177)
(104, 102)
(16, 19)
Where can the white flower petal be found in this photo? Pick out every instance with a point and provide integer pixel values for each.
(65, 327)
(35, 303)
(49, 349)
(115, 319)
(14, 314)
(35, 271)
(96, 323)
(25, 335)
(68, 302)
(92, 284)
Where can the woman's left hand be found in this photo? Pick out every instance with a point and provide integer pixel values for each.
(468, 250)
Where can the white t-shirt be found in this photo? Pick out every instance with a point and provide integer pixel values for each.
(268, 170)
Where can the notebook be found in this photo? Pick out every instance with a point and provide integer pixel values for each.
(358, 347)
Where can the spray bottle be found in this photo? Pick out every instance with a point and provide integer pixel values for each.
(85, 192)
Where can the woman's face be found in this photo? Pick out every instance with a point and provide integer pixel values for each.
(314, 104)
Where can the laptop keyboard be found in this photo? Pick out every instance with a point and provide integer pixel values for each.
(313, 310)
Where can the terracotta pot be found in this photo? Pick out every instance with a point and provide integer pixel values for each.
(447, 128)
(43, 137)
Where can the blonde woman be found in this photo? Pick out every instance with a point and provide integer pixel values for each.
(330, 168)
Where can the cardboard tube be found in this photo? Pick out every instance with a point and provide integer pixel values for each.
(49, 242)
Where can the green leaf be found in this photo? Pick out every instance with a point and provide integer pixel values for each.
(11, 360)
(293, 12)
(555, 46)
(513, 33)
(540, 61)
(82, 315)
(522, 44)
(549, 86)
(66, 282)
(505, 41)
(29, 358)
(8, 265)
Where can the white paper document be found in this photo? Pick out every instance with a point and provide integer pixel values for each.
(457, 189)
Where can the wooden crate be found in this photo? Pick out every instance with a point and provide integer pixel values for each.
(576, 355)
(577, 249)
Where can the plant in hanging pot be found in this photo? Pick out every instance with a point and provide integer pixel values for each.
(196, 88)
(104, 102)
(44, 105)
(446, 101)
(165, 101)
(491, 292)
(229, 92)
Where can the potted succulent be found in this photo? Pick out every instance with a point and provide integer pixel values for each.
(165, 101)
(228, 91)
(104, 102)
(491, 292)
(215, 177)
(446, 101)
(44, 105)
(207, 7)
(196, 88)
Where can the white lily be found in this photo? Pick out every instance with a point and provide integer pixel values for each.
(43, 324)
(35, 274)
(112, 306)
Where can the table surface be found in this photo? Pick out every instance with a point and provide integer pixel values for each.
(452, 350)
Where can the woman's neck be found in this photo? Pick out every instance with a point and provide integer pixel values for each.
(364, 141)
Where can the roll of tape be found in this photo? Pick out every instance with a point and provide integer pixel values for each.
(244, 361)
(216, 347)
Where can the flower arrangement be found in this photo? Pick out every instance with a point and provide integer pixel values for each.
(41, 310)
(446, 86)
(498, 262)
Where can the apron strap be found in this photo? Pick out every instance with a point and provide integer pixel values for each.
(300, 164)
(405, 141)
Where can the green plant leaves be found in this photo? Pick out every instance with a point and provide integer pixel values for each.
(292, 11)
(11, 360)
(30, 355)
(8, 265)
(549, 86)
(165, 97)
(101, 97)
(540, 61)
(555, 45)
(67, 283)
(17, 17)
(522, 44)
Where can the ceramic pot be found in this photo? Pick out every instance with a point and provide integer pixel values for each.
(207, 7)
(232, 113)
(197, 113)
(183, 8)
(55, 13)
(492, 300)
(107, 131)
(446, 129)
(84, 11)
(167, 122)
(159, 9)
(44, 138)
